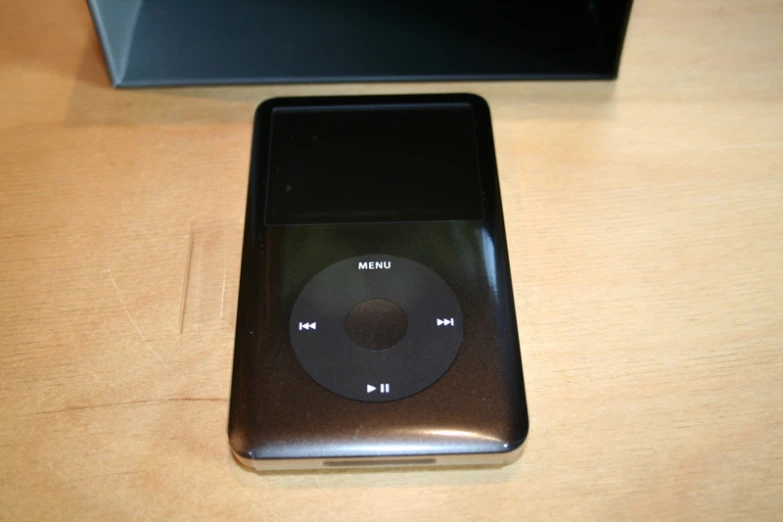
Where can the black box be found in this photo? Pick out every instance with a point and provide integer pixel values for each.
(197, 42)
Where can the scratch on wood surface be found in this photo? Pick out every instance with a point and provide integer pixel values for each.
(186, 280)
(223, 292)
(130, 318)
(131, 403)
(122, 302)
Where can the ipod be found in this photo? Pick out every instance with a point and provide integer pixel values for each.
(376, 322)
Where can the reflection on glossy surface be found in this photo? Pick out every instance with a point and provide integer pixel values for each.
(461, 434)
(488, 249)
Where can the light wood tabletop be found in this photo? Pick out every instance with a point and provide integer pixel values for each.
(645, 221)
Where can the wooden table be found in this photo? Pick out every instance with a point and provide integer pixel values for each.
(645, 219)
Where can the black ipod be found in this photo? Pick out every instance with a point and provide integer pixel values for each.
(376, 322)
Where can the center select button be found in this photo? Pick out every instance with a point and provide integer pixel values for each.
(376, 322)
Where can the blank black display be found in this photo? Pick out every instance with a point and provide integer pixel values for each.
(371, 164)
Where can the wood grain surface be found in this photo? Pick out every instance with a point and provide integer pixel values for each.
(645, 219)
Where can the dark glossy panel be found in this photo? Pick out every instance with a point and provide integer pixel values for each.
(388, 163)
(239, 41)
(478, 406)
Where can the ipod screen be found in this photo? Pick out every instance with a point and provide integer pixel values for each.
(398, 163)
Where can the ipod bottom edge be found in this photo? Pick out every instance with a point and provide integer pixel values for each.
(357, 463)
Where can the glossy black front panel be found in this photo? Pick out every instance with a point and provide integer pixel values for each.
(478, 406)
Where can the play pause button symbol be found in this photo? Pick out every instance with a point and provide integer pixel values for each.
(384, 388)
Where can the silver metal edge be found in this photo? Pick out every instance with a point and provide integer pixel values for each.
(381, 462)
